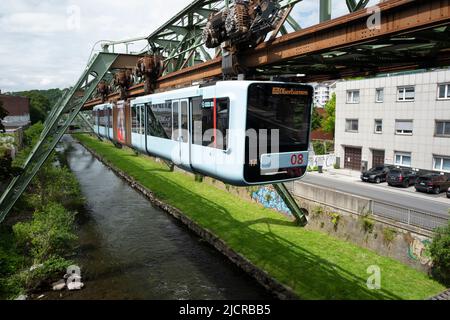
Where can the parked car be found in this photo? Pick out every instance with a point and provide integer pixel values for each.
(377, 174)
(401, 177)
(448, 193)
(433, 182)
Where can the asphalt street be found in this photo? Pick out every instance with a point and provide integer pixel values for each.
(437, 204)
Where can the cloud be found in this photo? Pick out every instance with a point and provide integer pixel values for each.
(46, 43)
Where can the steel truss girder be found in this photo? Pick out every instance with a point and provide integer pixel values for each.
(61, 116)
(181, 35)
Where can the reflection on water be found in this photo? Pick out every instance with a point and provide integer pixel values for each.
(131, 250)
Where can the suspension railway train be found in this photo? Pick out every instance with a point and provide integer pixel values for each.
(240, 132)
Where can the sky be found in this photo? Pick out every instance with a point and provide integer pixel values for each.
(47, 43)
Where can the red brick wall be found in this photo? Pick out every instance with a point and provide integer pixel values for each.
(16, 106)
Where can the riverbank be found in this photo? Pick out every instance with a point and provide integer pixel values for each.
(311, 264)
(37, 239)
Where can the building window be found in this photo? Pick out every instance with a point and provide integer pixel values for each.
(379, 95)
(404, 127)
(441, 163)
(353, 96)
(406, 94)
(351, 125)
(403, 159)
(378, 126)
(442, 129)
(444, 91)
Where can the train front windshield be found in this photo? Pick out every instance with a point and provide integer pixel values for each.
(279, 115)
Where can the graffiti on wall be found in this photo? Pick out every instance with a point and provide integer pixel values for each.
(270, 199)
(419, 250)
(327, 161)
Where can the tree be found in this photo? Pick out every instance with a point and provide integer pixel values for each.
(39, 106)
(328, 122)
(316, 120)
(3, 115)
(440, 254)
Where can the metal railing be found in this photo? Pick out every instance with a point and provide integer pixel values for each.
(408, 216)
(360, 205)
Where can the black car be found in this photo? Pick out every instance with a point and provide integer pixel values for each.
(433, 182)
(401, 177)
(377, 174)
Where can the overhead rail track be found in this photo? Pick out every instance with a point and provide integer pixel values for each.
(411, 35)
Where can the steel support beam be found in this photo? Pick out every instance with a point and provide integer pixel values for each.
(325, 10)
(59, 120)
(291, 203)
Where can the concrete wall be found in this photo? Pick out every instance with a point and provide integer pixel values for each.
(344, 216)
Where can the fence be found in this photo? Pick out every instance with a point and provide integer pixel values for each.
(408, 216)
(359, 205)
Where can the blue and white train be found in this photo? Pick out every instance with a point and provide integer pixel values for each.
(240, 132)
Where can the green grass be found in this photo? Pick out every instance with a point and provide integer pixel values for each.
(314, 264)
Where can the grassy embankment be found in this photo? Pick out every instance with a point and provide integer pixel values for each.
(315, 265)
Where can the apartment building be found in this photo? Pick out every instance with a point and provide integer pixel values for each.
(402, 120)
(323, 92)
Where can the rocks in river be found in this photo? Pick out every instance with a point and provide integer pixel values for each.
(22, 297)
(77, 285)
(59, 285)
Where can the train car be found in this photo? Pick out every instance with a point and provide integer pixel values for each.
(103, 120)
(240, 132)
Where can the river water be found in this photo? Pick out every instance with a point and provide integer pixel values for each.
(131, 250)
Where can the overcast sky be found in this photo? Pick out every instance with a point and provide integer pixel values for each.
(46, 43)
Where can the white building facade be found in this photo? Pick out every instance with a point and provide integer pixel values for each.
(402, 120)
(323, 93)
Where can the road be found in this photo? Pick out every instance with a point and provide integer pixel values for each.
(405, 198)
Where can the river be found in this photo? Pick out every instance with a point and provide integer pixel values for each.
(132, 250)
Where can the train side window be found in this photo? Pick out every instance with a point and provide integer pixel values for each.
(184, 121)
(175, 121)
(94, 115)
(223, 121)
(110, 118)
(163, 115)
(134, 120)
(197, 134)
(203, 123)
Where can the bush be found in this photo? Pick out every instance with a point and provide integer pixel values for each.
(335, 218)
(440, 254)
(51, 270)
(318, 211)
(367, 224)
(50, 233)
(389, 235)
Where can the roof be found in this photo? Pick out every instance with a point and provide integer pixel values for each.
(15, 106)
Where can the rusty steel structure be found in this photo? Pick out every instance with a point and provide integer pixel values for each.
(409, 35)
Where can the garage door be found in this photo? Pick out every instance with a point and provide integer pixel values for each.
(377, 158)
(353, 158)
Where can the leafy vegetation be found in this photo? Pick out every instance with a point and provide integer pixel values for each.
(440, 253)
(316, 120)
(314, 264)
(41, 232)
(323, 147)
(41, 102)
(328, 122)
(389, 235)
(367, 224)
